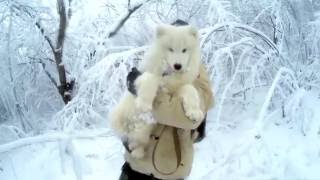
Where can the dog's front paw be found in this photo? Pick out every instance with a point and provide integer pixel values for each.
(194, 114)
(137, 153)
(142, 105)
(192, 110)
(191, 103)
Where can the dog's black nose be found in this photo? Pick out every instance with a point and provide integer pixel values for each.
(177, 66)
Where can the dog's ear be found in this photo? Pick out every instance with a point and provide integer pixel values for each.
(193, 31)
(160, 31)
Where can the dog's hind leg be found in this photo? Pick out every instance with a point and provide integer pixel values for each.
(139, 139)
(119, 116)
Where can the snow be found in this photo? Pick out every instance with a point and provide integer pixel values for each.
(96, 160)
(282, 152)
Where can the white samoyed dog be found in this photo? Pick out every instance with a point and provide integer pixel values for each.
(171, 65)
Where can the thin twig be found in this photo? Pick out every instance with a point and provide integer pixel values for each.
(124, 19)
(54, 82)
(247, 89)
(45, 36)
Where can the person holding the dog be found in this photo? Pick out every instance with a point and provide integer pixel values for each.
(169, 153)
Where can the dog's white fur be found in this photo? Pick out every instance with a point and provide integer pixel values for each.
(172, 45)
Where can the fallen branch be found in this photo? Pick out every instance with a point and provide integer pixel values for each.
(54, 137)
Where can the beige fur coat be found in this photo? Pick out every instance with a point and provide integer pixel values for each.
(169, 153)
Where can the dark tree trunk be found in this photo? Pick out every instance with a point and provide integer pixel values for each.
(64, 87)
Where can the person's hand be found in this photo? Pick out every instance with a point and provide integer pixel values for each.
(131, 77)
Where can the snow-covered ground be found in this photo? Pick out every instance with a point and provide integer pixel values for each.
(228, 152)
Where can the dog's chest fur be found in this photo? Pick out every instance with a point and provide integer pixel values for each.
(171, 83)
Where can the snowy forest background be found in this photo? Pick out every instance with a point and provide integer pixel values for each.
(63, 65)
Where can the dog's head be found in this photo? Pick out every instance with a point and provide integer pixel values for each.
(177, 46)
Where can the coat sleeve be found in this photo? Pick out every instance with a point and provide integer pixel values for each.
(168, 108)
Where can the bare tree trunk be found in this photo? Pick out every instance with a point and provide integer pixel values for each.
(58, 52)
(64, 87)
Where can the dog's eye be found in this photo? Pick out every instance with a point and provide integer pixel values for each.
(184, 50)
(170, 49)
